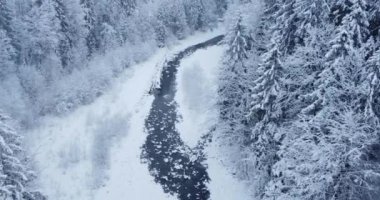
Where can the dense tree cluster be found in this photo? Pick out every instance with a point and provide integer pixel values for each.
(49, 48)
(309, 128)
(58, 54)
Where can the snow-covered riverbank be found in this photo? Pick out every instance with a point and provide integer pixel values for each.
(196, 98)
(94, 152)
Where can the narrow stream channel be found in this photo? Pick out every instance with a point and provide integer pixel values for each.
(172, 163)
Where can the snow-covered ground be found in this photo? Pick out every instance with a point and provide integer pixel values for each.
(76, 154)
(196, 93)
(196, 98)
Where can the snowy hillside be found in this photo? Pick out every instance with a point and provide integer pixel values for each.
(189, 99)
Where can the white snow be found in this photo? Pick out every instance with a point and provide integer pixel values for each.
(196, 98)
(74, 152)
(223, 185)
(94, 152)
(196, 93)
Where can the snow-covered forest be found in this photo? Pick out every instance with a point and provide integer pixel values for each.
(190, 99)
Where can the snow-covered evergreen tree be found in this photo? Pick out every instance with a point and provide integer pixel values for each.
(265, 113)
(6, 54)
(5, 16)
(221, 6)
(161, 33)
(357, 22)
(294, 19)
(310, 14)
(373, 83)
(339, 10)
(336, 85)
(374, 9)
(65, 41)
(110, 37)
(286, 26)
(234, 87)
(236, 76)
(14, 175)
(325, 157)
(7, 25)
(235, 64)
(199, 13)
(238, 41)
(173, 17)
(267, 87)
(128, 6)
(41, 40)
(90, 25)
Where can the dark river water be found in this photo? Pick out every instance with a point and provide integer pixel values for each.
(173, 164)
